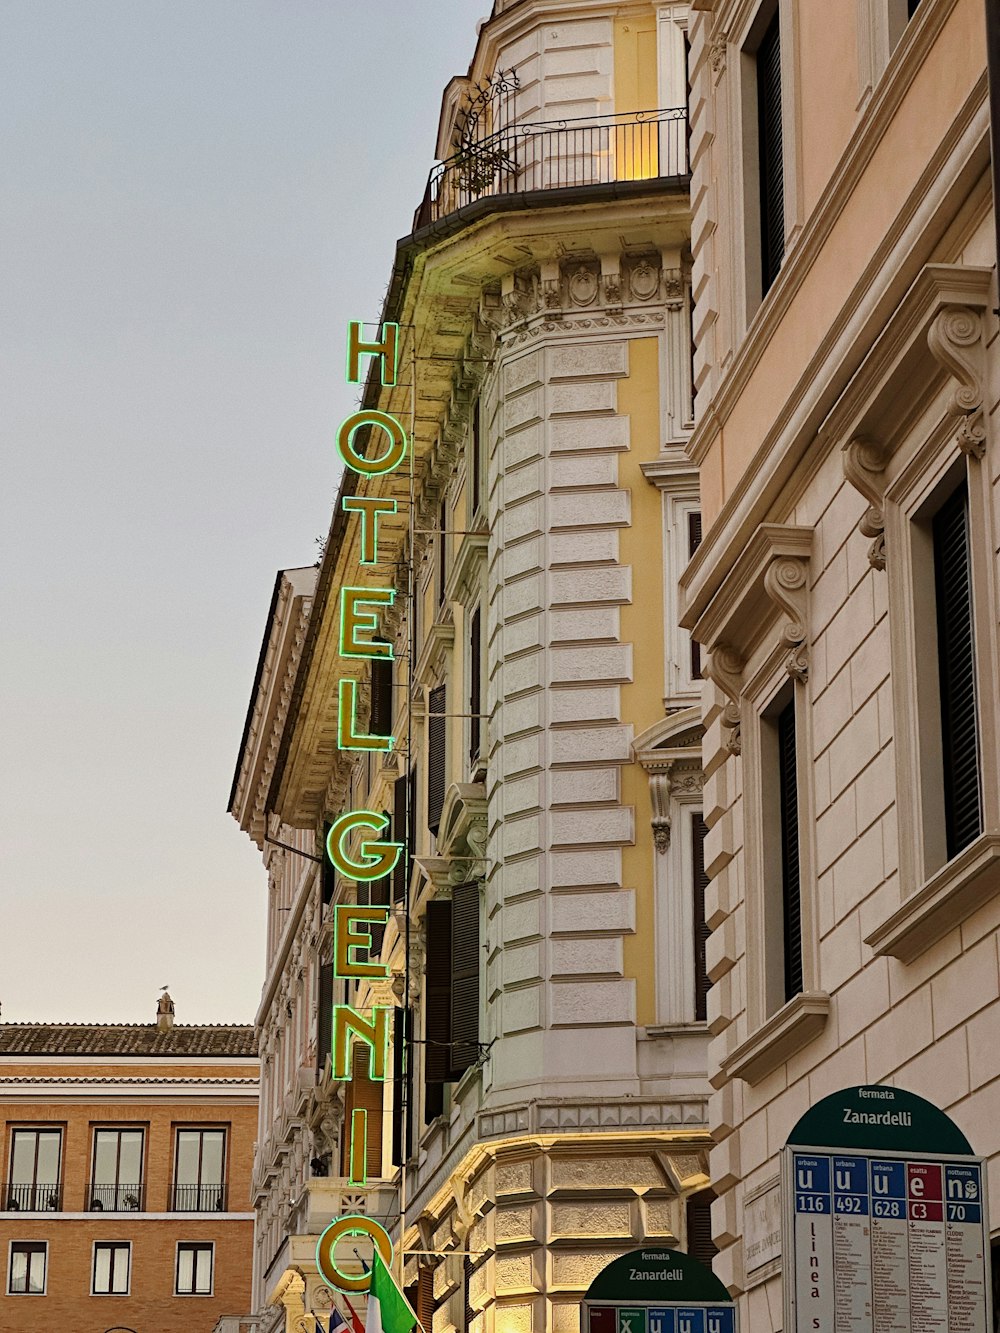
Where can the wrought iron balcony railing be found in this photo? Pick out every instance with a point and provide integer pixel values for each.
(558, 155)
(199, 1198)
(116, 1198)
(32, 1198)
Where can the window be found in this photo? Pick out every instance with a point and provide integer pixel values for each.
(442, 546)
(116, 1185)
(698, 1217)
(35, 1157)
(26, 1274)
(199, 1175)
(693, 542)
(475, 683)
(112, 1268)
(770, 160)
(464, 977)
(437, 755)
(963, 806)
(363, 1093)
(194, 1269)
(476, 470)
(381, 705)
(782, 880)
(699, 883)
(437, 1006)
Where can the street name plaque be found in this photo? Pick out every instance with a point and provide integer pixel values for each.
(658, 1291)
(885, 1205)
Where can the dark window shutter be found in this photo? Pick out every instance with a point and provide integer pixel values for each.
(401, 1086)
(362, 1094)
(790, 887)
(324, 1021)
(771, 167)
(468, 1268)
(400, 833)
(437, 1007)
(477, 462)
(381, 711)
(328, 876)
(701, 932)
(475, 679)
(957, 673)
(442, 551)
(426, 1304)
(437, 746)
(464, 977)
(698, 1211)
(694, 541)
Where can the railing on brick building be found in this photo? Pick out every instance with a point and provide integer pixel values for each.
(116, 1198)
(559, 155)
(199, 1198)
(32, 1198)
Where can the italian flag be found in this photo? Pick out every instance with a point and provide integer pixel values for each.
(388, 1309)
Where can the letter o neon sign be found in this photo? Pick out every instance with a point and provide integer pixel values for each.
(351, 1224)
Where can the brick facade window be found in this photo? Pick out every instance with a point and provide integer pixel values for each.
(27, 1270)
(112, 1268)
(195, 1265)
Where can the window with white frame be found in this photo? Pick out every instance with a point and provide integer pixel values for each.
(27, 1268)
(112, 1268)
(195, 1265)
(682, 530)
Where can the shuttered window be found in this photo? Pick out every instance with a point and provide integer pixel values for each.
(402, 1085)
(363, 1093)
(420, 1295)
(477, 459)
(791, 896)
(437, 1006)
(701, 932)
(475, 682)
(464, 977)
(442, 551)
(770, 161)
(381, 712)
(694, 541)
(437, 755)
(400, 833)
(698, 1210)
(324, 1021)
(327, 874)
(957, 673)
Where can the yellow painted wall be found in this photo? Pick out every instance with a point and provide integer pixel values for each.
(641, 546)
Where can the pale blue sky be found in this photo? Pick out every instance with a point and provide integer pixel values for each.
(195, 196)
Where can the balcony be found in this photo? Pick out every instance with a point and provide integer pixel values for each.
(199, 1198)
(115, 1198)
(32, 1198)
(539, 156)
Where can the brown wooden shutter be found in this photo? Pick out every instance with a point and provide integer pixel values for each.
(324, 1017)
(362, 1094)
(788, 797)
(327, 874)
(464, 977)
(770, 159)
(694, 541)
(698, 1210)
(402, 1085)
(380, 723)
(963, 809)
(437, 755)
(475, 681)
(701, 932)
(400, 833)
(426, 1304)
(437, 1007)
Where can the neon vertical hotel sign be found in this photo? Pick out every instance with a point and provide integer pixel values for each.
(355, 843)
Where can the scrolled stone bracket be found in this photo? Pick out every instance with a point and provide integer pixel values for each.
(724, 668)
(955, 339)
(864, 467)
(786, 582)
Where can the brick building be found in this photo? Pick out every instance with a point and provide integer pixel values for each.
(127, 1159)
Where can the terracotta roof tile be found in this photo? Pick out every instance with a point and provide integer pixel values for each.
(139, 1039)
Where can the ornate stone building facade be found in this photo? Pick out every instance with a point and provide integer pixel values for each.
(547, 935)
(845, 593)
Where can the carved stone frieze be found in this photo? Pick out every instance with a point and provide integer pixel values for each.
(717, 55)
(644, 280)
(583, 285)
